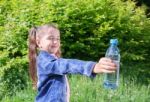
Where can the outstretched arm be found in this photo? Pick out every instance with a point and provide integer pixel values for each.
(63, 66)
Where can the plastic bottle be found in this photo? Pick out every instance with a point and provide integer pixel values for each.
(111, 80)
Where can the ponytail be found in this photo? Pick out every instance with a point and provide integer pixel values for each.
(32, 56)
(33, 51)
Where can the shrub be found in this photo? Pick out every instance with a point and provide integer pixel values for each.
(86, 27)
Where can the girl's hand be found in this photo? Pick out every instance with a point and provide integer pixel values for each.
(105, 65)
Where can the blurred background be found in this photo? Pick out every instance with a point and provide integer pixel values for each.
(86, 27)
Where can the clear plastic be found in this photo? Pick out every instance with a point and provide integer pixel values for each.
(111, 80)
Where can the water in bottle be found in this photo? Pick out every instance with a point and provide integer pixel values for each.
(111, 80)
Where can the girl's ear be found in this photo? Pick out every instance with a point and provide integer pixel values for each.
(38, 42)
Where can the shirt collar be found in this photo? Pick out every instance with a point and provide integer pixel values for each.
(48, 55)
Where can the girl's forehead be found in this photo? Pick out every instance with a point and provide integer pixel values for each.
(52, 32)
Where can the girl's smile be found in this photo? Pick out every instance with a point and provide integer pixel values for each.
(50, 41)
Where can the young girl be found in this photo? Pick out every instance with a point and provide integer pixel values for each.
(48, 70)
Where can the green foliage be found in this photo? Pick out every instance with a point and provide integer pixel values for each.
(86, 27)
(137, 71)
(13, 77)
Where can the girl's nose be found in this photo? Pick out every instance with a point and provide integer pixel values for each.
(56, 40)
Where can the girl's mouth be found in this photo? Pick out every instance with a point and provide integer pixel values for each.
(53, 46)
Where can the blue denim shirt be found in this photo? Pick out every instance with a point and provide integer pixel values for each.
(51, 73)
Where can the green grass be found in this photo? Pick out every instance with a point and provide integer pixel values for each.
(84, 89)
(26, 95)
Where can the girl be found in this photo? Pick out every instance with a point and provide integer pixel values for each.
(48, 70)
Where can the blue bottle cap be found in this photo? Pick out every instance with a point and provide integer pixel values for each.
(114, 41)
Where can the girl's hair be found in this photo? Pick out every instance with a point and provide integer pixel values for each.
(33, 34)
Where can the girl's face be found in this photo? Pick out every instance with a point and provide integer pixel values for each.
(50, 42)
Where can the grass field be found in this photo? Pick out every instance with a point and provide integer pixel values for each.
(84, 89)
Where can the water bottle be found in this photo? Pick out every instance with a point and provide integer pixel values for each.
(111, 80)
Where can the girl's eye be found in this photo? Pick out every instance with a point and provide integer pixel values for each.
(53, 39)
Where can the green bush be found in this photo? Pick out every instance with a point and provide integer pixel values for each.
(13, 77)
(86, 27)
